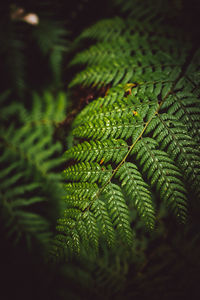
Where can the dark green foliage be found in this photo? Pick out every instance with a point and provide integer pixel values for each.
(28, 162)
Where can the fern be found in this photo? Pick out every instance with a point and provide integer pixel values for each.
(131, 165)
(28, 162)
(138, 56)
(139, 143)
(162, 173)
(138, 191)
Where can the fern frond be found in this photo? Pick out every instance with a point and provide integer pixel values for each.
(138, 191)
(122, 108)
(163, 174)
(124, 118)
(136, 57)
(103, 129)
(173, 136)
(138, 144)
(98, 151)
(103, 29)
(47, 110)
(17, 194)
(90, 172)
(80, 189)
(103, 218)
(113, 96)
(185, 107)
(28, 177)
(78, 231)
(118, 211)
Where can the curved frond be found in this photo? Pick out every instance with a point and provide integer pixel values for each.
(136, 148)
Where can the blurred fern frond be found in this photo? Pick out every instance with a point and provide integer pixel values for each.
(30, 161)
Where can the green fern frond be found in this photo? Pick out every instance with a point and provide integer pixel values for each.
(80, 189)
(162, 173)
(124, 118)
(85, 229)
(138, 56)
(139, 143)
(47, 110)
(90, 172)
(118, 211)
(174, 138)
(105, 223)
(139, 106)
(98, 151)
(113, 95)
(108, 52)
(98, 31)
(138, 191)
(185, 107)
(28, 161)
(115, 28)
(103, 129)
